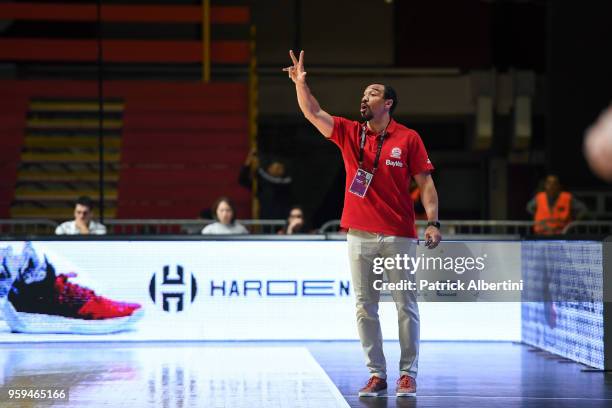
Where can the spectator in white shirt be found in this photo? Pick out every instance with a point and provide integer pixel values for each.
(223, 211)
(83, 223)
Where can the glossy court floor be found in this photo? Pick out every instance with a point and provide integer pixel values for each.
(294, 374)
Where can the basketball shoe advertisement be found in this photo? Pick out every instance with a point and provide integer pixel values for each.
(119, 290)
(40, 300)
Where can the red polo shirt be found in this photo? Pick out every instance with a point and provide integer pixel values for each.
(387, 207)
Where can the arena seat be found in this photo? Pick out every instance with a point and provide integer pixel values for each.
(181, 149)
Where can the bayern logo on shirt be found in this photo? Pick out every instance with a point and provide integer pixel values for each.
(396, 153)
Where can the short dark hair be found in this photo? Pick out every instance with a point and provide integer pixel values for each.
(84, 201)
(217, 203)
(390, 94)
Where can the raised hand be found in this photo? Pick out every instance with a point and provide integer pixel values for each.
(296, 72)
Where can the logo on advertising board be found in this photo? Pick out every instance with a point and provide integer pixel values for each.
(176, 291)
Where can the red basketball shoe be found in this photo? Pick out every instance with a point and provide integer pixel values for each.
(375, 387)
(406, 386)
(41, 302)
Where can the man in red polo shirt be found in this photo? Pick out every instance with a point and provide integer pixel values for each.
(380, 157)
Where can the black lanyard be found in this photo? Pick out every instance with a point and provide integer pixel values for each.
(378, 150)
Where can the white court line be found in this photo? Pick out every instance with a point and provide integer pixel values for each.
(335, 391)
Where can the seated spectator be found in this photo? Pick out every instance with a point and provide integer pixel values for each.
(224, 212)
(295, 222)
(83, 223)
(273, 186)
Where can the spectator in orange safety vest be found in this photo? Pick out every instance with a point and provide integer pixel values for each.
(553, 209)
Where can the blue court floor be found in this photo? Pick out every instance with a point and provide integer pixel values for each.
(293, 374)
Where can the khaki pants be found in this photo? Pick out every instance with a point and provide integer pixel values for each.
(363, 247)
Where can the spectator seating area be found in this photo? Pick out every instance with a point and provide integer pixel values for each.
(171, 149)
(171, 146)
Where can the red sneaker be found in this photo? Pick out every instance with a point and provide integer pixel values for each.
(406, 386)
(40, 301)
(92, 306)
(375, 387)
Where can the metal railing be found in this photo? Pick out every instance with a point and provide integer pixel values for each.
(330, 226)
(136, 227)
(484, 227)
(195, 226)
(177, 227)
(462, 227)
(589, 228)
(599, 203)
(27, 226)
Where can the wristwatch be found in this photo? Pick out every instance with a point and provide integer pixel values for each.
(434, 224)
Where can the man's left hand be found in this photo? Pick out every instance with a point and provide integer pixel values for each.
(432, 237)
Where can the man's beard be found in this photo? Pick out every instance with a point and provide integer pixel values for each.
(367, 115)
